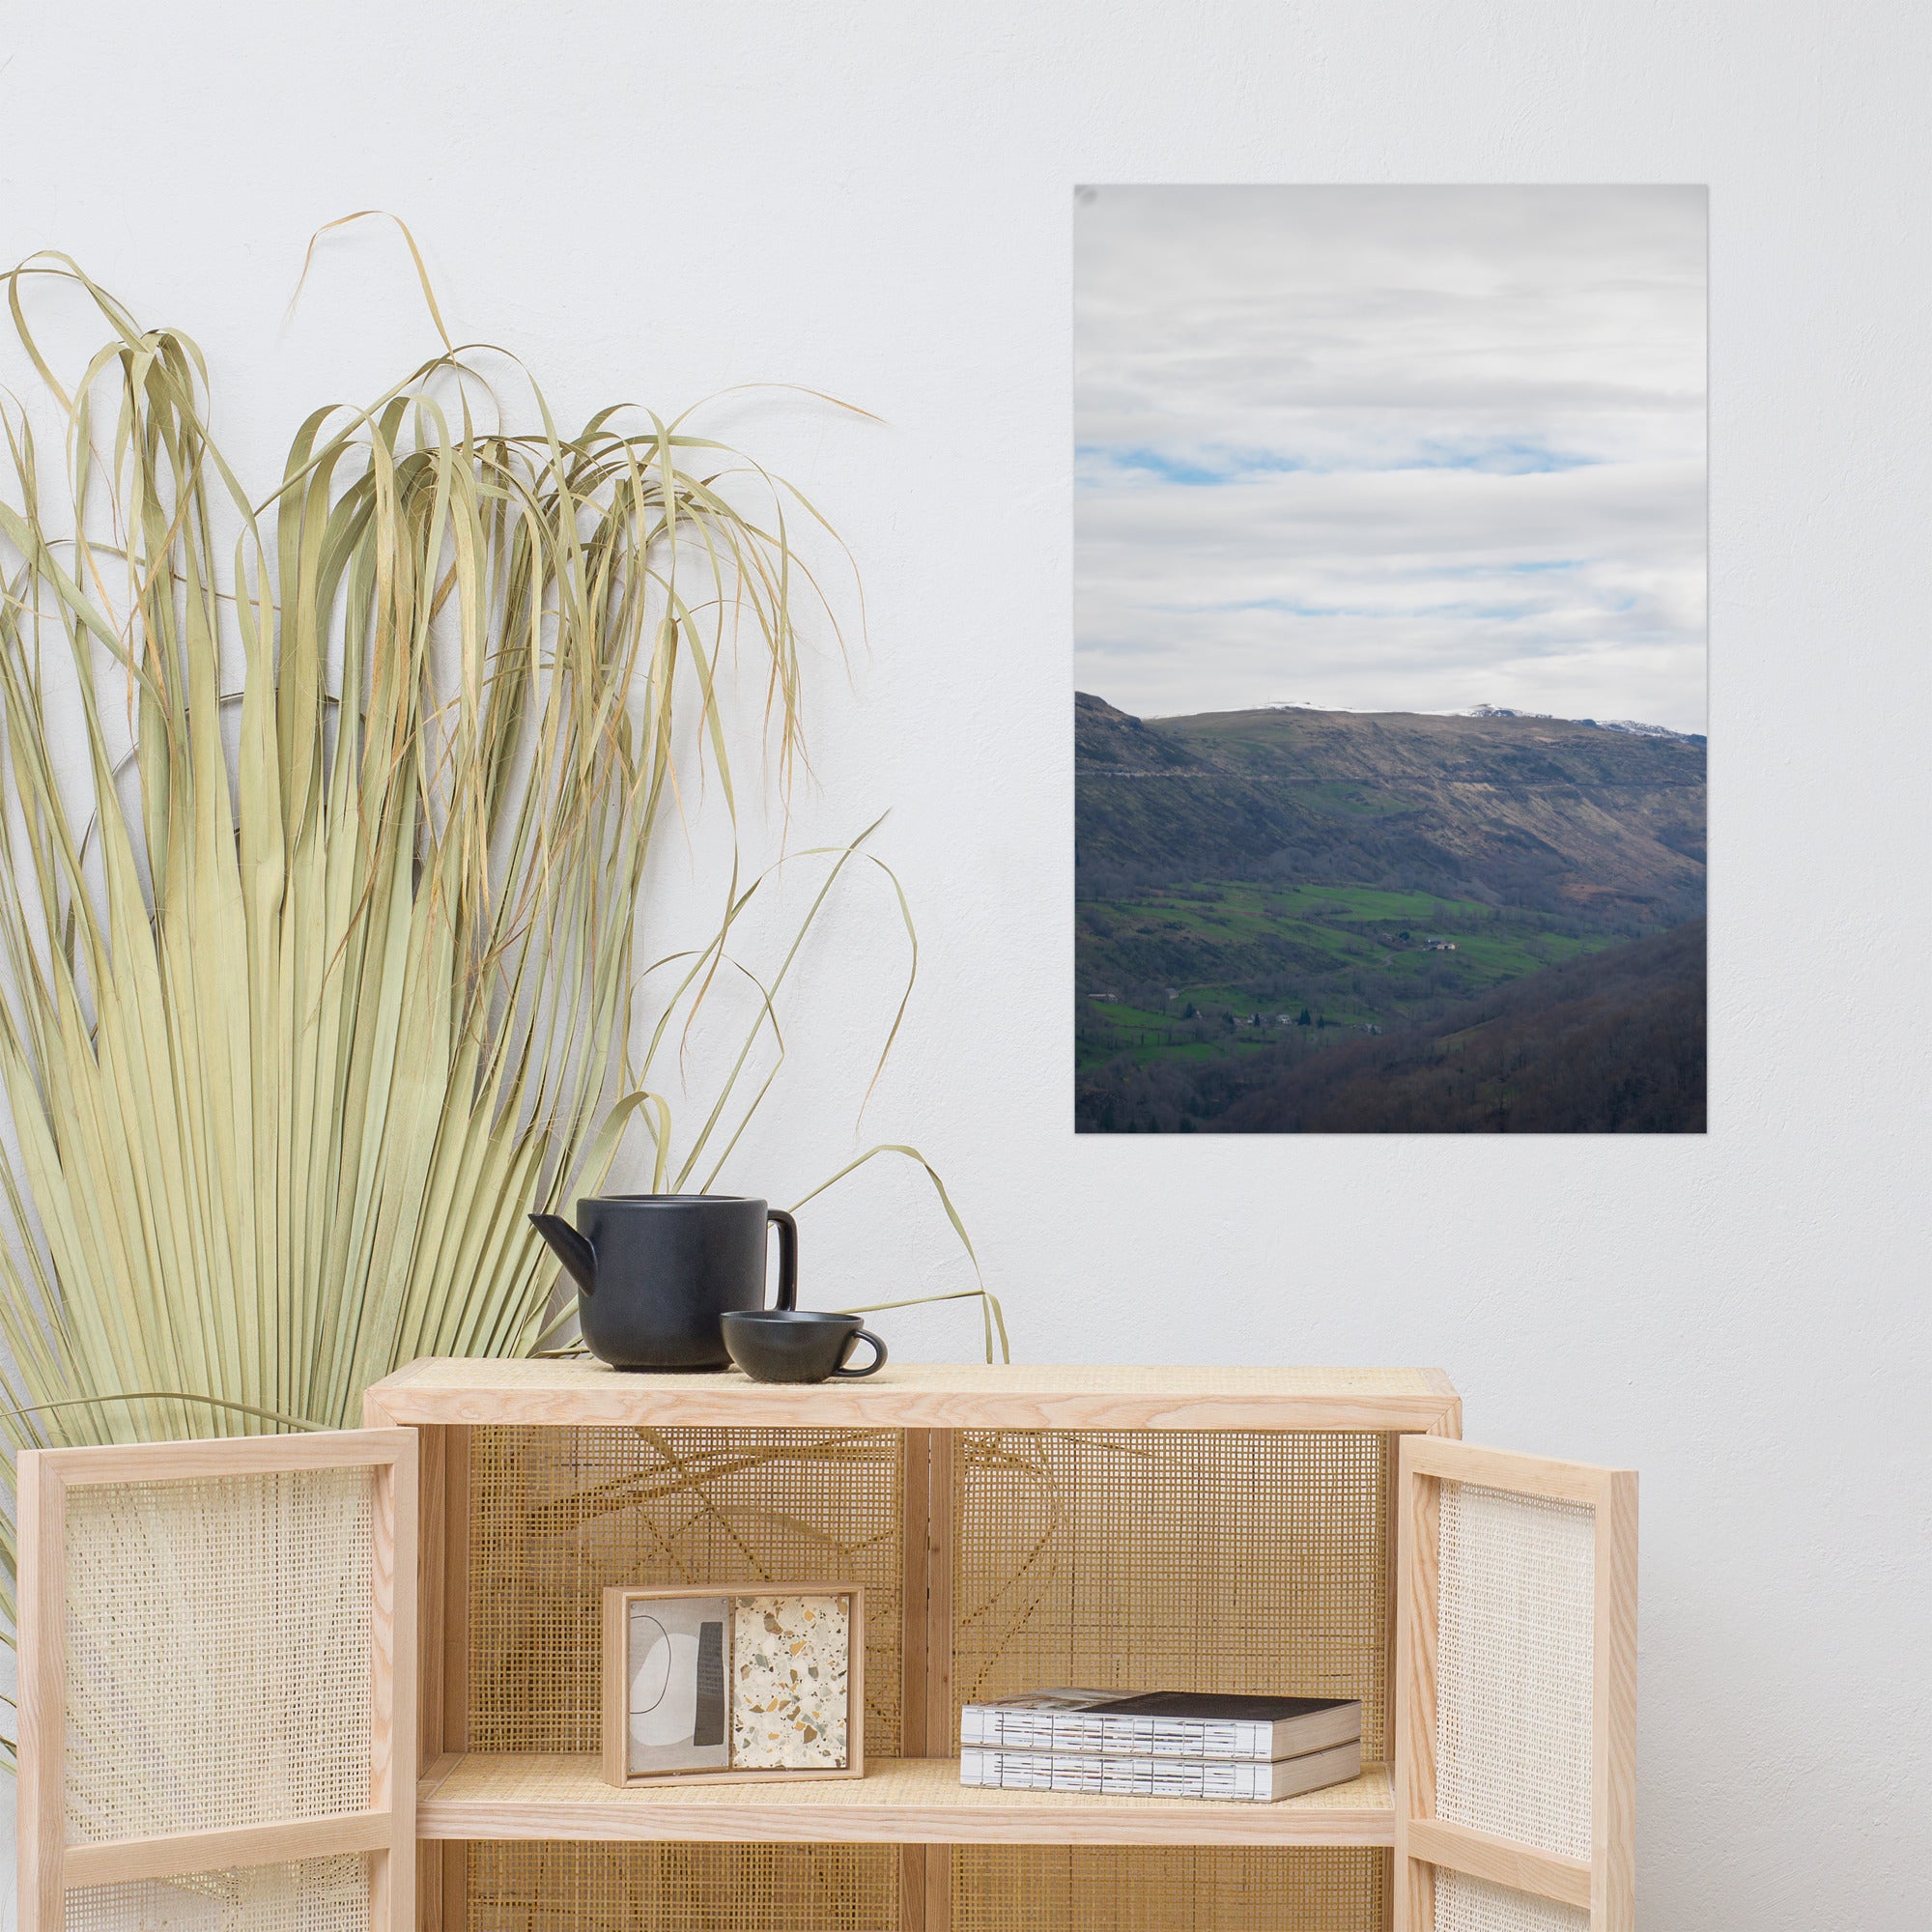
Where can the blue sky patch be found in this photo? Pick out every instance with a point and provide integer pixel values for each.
(1213, 467)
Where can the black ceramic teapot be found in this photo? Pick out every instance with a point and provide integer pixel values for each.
(655, 1273)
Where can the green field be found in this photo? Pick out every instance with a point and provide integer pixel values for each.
(1350, 956)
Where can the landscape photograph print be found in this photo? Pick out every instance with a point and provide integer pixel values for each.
(1390, 660)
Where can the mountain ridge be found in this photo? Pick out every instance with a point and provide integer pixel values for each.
(1546, 812)
(1631, 724)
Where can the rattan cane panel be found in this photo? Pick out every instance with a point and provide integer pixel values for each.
(312, 1895)
(1183, 1560)
(1513, 1666)
(534, 1886)
(1464, 1904)
(558, 1514)
(218, 1651)
(1106, 1889)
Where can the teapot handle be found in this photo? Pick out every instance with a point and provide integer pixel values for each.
(788, 1256)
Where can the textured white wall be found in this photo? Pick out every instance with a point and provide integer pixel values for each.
(873, 200)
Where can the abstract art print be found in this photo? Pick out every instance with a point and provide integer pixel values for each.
(1390, 662)
(677, 1703)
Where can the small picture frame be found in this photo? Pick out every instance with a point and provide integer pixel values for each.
(747, 1683)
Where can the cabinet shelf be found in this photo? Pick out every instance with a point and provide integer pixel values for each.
(898, 1801)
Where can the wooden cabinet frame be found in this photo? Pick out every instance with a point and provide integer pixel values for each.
(49, 1865)
(914, 1802)
(1602, 1886)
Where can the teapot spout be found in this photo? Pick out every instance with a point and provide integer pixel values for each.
(570, 1248)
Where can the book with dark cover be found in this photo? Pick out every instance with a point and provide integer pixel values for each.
(1162, 1723)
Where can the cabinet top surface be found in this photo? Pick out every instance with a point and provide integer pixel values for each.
(922, 1395)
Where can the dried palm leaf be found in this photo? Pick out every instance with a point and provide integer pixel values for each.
(320, 973)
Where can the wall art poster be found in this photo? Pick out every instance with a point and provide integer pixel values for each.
(1389, 733)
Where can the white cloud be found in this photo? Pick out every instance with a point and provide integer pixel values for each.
(1392, 448)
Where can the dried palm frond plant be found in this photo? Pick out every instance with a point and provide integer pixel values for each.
(320, 955)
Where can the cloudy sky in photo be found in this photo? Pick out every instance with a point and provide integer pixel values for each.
(1401, 449)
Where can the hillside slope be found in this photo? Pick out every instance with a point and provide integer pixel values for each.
(1612, 1044)
(1607, 826)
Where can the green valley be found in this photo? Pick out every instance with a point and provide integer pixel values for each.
(1170, 967)
(1255, 887)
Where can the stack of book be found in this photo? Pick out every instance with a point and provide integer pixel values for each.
(1164, 1743)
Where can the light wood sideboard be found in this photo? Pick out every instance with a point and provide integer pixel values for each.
(1315, 1530)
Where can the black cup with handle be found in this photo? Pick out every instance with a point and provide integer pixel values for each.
(656, 1272)
(796, 1345)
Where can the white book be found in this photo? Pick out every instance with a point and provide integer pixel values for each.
(1162, 1723)
(1243, 1782)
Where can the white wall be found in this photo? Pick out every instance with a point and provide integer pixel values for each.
(873, 200)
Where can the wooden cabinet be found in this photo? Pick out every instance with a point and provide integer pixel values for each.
(1319, 1530)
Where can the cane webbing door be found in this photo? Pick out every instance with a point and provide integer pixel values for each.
(217, 1689)
(1515, 1693)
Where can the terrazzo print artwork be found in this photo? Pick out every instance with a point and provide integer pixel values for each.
(790, 1659)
